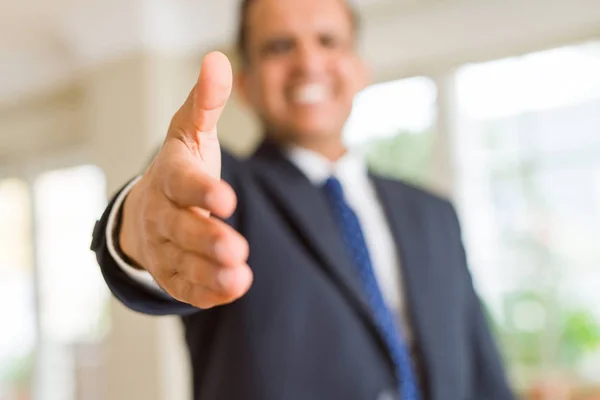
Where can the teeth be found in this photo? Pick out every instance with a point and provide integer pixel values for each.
(310, 94)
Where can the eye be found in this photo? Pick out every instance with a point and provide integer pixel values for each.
(278, 46)
(329, 41)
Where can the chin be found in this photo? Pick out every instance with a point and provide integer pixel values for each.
(305, 131)
(316, 125)
(324, 126)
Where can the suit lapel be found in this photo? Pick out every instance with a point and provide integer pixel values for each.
(308, 212)
(408, 228)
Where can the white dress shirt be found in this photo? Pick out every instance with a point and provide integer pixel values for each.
(352, 172)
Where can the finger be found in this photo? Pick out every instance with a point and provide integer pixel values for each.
(186, 185)
(235, 283)
(204, 236)
(231, 284)
(197, 280)
(200, 270)
(196, 295)
(212, 91)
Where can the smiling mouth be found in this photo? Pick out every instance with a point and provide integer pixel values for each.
(310, 94)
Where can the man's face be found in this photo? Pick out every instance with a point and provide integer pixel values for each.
(302, 71)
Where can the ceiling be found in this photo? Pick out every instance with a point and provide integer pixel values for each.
(33, 23)
(43, 43)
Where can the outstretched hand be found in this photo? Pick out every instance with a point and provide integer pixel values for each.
(169, 226)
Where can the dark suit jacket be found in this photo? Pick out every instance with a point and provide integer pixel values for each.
(304, 331)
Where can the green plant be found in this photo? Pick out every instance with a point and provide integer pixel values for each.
(580, 335)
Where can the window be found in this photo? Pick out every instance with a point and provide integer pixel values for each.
(53, 296)
(392, 123)
(67, 205)
(528, 188)
(17, 290)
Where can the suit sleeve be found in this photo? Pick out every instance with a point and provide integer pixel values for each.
(136, 295)
(489, 379)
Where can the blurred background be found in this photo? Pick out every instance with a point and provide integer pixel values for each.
(494, 103)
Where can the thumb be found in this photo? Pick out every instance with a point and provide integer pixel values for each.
(211, 91)
(195, 124)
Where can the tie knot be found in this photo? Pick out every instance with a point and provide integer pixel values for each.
(333, 188)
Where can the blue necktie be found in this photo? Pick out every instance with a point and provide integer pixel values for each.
(356, 245)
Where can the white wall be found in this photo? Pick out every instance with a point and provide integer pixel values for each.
(402, 41)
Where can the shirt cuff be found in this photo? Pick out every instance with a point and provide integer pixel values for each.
(139, 276)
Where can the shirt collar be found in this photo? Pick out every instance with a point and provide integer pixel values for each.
(317, 168)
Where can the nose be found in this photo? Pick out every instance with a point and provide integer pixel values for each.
(309, 60)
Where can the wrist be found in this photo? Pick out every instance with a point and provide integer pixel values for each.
(127, 237)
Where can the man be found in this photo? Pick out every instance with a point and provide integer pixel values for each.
(298, 275)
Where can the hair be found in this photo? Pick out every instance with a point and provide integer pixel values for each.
(242, 34)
